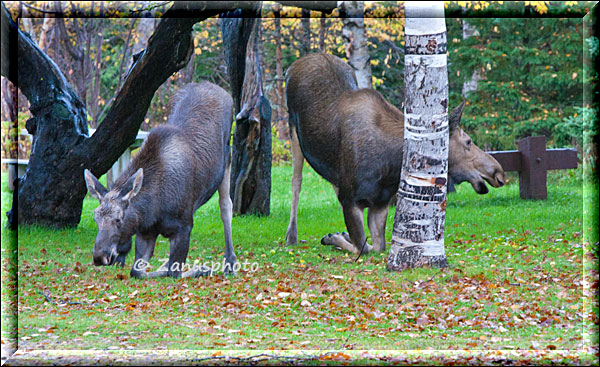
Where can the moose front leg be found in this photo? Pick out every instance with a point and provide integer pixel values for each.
(353, 216)
(180, 245)
(144, 249)
(122, 251)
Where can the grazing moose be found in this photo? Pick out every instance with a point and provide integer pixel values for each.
(179, 167)
(353, 138)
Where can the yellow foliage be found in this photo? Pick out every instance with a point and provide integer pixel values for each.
(539, 6)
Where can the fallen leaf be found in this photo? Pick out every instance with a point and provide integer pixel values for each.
(423, 320)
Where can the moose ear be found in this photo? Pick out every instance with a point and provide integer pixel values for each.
(93, 185)
(455, 116)
(135, 182)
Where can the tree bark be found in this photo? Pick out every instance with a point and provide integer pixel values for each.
(322, 29)
(471, 85)
(53, 187)
(324, 6)
(306, 42)
(9, 102)
(251, 156)
(418, 235)
(10, 144)
(355, 40)
(143, 32)
(283, 132)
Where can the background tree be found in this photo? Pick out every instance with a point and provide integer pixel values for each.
(52, 191)
(470, 85)
(251, 151)
(497, 114)
(354, 35)
(418, 234)
(530, 71)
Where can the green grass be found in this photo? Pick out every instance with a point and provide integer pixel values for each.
(514, 281)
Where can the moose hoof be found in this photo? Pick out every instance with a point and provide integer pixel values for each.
(229, 271)
(290, 238)
(120, 261)
(137, 274)
(229, 267)
(197, 272)
(327, 240)
(346, 236)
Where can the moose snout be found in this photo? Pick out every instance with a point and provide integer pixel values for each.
(499, 179)
(102, 258)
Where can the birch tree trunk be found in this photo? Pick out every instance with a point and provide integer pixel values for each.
(471, 85)
(418, 235)
(355, 40)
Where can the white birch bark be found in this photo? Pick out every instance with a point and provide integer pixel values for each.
(418, 234)
(355, 40)
(471, 85)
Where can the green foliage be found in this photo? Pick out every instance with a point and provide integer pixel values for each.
(282, 153)
(531, 67)
(531, 79)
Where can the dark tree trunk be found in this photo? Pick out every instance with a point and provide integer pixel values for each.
(306, 43)
(322, 29)
(9, 102)
(283, 132)
(52, 190)
(251, 156)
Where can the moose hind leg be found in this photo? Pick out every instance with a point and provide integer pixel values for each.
(376, 219)
(226, 208)
(291, 236)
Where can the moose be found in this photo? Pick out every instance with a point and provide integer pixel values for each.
(179, 167)
(353, 138)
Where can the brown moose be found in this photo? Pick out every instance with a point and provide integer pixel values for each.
(353, 138)
(179, 167)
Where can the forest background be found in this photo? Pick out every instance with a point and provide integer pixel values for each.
(519, 76)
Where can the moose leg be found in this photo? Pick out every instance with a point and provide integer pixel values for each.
(376, 219)
(291, 236)
(226, 208)
(180, 245)
(353, 216)
(144, 249)
(122, 251)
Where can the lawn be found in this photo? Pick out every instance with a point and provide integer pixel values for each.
(514, 282)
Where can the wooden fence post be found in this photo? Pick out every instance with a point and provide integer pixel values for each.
(532, 176)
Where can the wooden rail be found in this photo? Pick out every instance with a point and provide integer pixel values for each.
(532, 161)
(18, 167)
